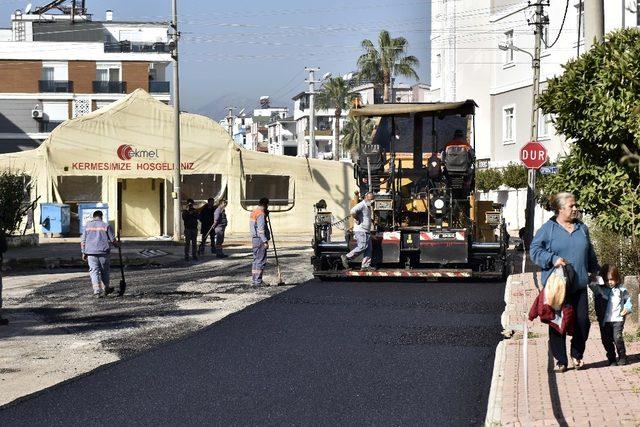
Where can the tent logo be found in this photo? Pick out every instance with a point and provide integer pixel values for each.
(127, 152)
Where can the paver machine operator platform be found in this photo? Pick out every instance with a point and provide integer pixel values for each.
(419, 161)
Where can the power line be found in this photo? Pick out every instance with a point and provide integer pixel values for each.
(561, 27)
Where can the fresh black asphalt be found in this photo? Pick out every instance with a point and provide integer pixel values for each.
(318, 354)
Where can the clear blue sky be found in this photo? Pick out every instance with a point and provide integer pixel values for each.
(249, 48)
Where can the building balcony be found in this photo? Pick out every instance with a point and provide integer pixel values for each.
(109, 87)
(159, 87)
(320, 132)
(46, 127)
(136, 47)
(55, 86)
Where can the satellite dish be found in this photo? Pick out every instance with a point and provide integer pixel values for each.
(326, 76)
(27, 9)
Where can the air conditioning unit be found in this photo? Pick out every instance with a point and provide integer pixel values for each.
(37, 114)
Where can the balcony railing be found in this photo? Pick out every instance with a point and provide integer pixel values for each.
(46, 127)
(109, 87)
(158, 87)
(55, 86)
(320, 132)
(138, 47)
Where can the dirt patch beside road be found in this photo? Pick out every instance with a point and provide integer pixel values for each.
(58, 331)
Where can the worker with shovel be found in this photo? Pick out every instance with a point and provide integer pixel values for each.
(260, 237)
(95, 245)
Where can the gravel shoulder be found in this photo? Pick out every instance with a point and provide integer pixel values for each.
(58, 331)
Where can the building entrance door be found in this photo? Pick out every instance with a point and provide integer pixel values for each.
(141, 207)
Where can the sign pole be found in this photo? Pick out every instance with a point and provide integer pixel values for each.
(538, 21)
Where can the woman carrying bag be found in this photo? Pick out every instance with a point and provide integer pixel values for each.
(561, 241)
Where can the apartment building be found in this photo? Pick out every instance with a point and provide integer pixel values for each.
(323, 126)
(467, 63)
(59, 63)
(511, 75)
(282, 137)
(252, 132)
(401, 92)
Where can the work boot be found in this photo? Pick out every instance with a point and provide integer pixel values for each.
(108, 290)
(221, 255)
(98, 294)
(345, 261)
(195, 258)
(622, 361)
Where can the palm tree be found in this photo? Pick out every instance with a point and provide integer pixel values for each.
(335, 93)
(388, 60)
(354, 133)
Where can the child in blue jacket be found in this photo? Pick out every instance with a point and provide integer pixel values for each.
(612, 304)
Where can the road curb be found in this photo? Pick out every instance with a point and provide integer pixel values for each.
(494, 404)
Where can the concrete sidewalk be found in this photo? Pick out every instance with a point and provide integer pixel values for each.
(65, 252)
(598, 395)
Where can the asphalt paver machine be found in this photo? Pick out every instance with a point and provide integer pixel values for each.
(428, 221)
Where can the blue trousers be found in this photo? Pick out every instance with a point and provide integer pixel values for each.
(259, 260)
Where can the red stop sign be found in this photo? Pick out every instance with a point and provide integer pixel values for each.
(533, 155)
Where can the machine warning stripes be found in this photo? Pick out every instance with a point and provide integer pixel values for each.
(409, 273)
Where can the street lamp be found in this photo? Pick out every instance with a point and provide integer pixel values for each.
(505, 47)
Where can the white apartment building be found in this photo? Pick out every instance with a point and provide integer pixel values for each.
(58, 63)
(252, 132)
(324, 128)
(282, 137)
(467, 64)
(402, 92)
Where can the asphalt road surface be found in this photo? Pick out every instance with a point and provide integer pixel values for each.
(320, 354)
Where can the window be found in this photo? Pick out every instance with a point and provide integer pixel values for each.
(200, 187)
(108, 72)
(275, 187)
(47, 74)
(580, 19)
(508, 124)
(304, 102)
(56, 111)
(438, 65)
(543, 125)
(80, 189)
(508, 54)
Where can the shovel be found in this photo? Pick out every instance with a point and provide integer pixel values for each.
(123, 284)
(275, 252)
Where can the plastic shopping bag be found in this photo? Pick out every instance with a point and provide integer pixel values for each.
(555, 289)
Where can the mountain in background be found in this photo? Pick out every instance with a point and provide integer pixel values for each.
(217, 107)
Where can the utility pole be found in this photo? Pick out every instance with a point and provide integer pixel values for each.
(230, 120)
(175, 36)
(312, 149)
(593, 22)
(539, 21)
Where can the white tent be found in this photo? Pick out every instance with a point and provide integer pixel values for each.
(124, 152)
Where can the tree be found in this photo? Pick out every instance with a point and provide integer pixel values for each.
(12, 196)
(335, 93)
(515, 176)
(388, 60)
(355, 132)
(596, 104)
(488, 179)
